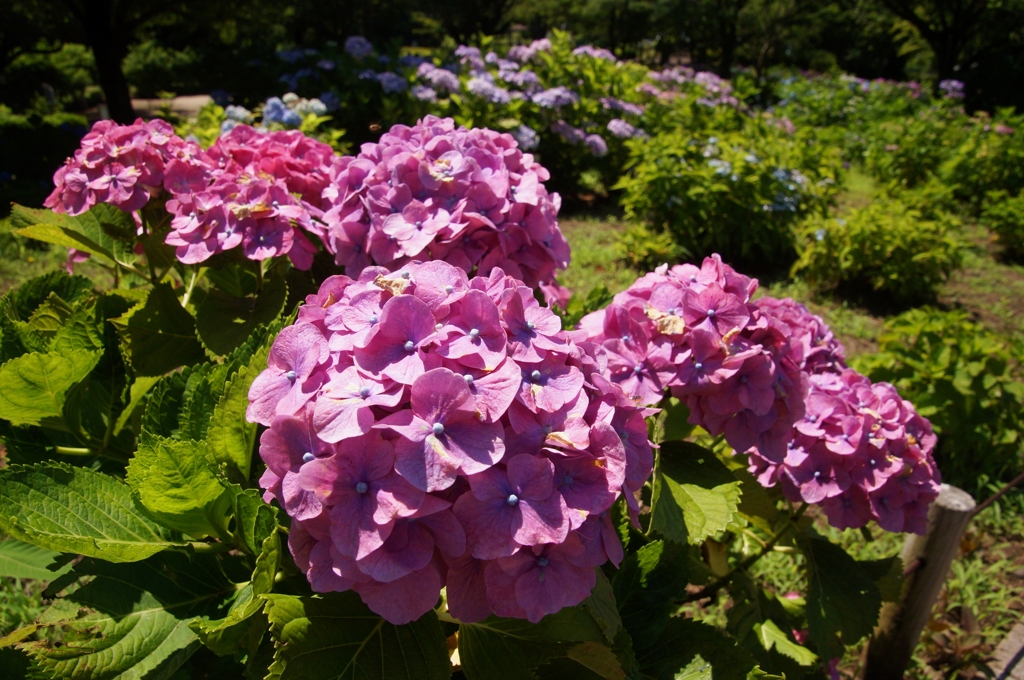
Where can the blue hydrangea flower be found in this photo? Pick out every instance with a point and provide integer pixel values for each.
(274, 110)
(358, 47)
(391, 82)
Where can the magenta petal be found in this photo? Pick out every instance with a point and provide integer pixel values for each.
(477, 445)
(439, 395)
(496, 390)
(406, 599)
(353, 531)
(488, 526)
(408, 548)
(541, 521)
(426, 464)
(531, 476)
(467, 589)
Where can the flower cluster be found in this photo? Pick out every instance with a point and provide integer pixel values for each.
(431, 191)
(260, 191)
(771, 378)
(695, 331)
(427, 430)
(123, 165)
(860, 451)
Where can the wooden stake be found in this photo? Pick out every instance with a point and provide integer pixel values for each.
(926, 561)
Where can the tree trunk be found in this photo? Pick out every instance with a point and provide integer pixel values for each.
(728, 16)
(109, 47)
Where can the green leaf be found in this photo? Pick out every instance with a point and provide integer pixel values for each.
(601, 605)
(81, 330)
(680, 644)
(23, 560)
(507, 649)
(230, 436)
(695, 496)
(28, 296)
(771, 636)
(236, 280)
(163, 403)
(33, 386)
(887, 573)
(50, 316)
(336, 636)
(136, 396)
(174, 482)
(598, 659)
(255, 519)
(132, 620)
(842, 601)
(104, 231)
(77, 510)
(225, 636)
(159, 333)
(646, 586)
(224, 321)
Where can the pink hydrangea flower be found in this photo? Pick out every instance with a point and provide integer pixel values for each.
(427, 430)
(469, 197)
(771, 378)
(123, 165)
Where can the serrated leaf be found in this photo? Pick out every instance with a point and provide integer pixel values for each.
(159, 333)
(225, 636)
(134, 620)
(163, 404)
(694, 496)
(601, 605)
(770, 635)
(511, 648)
(598, 659)
(174, 482)
(230, 436)
(68, 237)
(136, 396)
(842, 601)
(50, 316)
(646, 585)
(336, 636)
(23, 560)
(224, 321)
(255, 519)
(680, 644)
(104, 231)
(33, 386)
(80, 330)
(235, 279)
(77, 510)
(28, 296)
(887, 573)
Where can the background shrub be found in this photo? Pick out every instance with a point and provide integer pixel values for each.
(885, 249)
(735, 193)
(1004, 215)
(964, 379)
(990, 158)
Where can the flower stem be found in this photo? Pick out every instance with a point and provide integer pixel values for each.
(711, 589)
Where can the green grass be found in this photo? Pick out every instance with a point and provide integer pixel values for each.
(594, 261)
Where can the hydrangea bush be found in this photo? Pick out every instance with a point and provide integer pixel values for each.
(319, 421)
